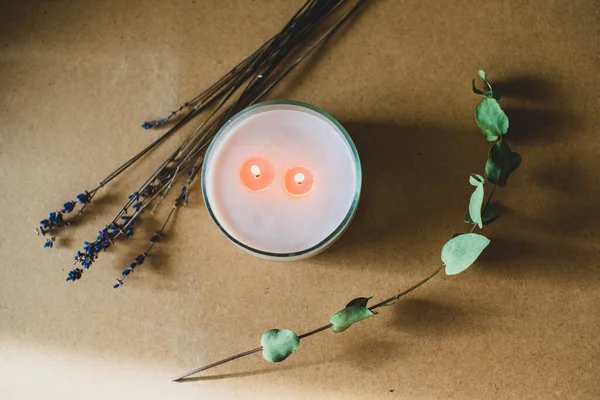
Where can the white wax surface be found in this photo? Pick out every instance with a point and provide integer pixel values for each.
(272, 220)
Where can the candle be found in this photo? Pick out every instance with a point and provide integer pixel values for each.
(282, 180)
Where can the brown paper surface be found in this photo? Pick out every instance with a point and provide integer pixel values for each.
(78, 78)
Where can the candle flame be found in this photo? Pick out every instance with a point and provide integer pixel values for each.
(255, 170)
(299, 178)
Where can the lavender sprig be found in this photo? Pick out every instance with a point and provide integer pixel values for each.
(56, 219)
(139, 260)
(123, 223)
(244, 85)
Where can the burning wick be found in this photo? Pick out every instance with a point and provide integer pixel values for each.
(257, 174)
(298, 181)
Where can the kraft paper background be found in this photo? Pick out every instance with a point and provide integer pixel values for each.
(78, 77)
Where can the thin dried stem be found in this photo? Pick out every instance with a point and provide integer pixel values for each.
(387, 302)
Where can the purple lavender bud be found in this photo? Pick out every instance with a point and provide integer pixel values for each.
(149, 124)
(74, 275)
(83, 198)
(68, 207)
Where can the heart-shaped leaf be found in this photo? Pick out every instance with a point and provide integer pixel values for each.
(460, 252)
(355, 311)
(489, 214)
(476, 200)
(501, 163)
(490, 118)
(278, 344)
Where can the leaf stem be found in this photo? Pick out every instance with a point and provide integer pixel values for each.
(217, 363)
(489, 198)
(395, 298)
(388, 302)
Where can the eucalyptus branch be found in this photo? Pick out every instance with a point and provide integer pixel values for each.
(459, 253)
(387, 302)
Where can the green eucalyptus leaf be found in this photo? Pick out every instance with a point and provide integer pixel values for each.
(355, 311)
(359, 301)
(460, 252)
(482, 76)
(488, 93)
(501, 163)
(476, 180)
(477, 91)
(492, 171)
(490, 118)
(488, 215)
(476, 200)
(278, 344)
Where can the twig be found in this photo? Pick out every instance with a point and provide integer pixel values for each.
(387, 302)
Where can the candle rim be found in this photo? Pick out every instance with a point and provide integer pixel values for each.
(357, 190)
